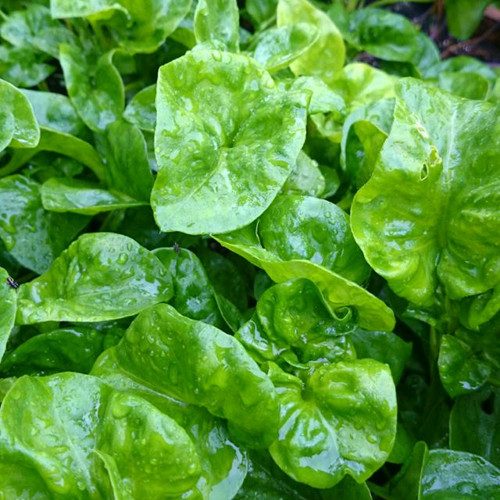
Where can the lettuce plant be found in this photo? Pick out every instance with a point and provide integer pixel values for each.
(238, 262)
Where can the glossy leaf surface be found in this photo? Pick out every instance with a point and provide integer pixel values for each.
(82, 283)
(208, 150)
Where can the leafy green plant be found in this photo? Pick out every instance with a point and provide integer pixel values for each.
(236, 261)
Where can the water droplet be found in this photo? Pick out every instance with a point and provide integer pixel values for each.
(122, 258)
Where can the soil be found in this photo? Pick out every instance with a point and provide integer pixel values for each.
(483, 44)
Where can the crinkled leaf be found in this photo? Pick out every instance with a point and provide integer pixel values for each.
(338, 292)
(157, 458)
(101, 276)
(223, 464)
(225, 154)
(74, 419)
(340, 420)
(435, 183)
(292, 324)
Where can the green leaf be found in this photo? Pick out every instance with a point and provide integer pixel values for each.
(458, 475)
(157, 458)
(33, 236)
(468, 85)
(292, 324)
(75, 419)
(326, 56)
(276, 48)
(468, 359)
(55, 111)
(216, 24)
(94, 86)
(194, 295)
(340, 420)
(266, 480)
(17, 480)
(385, 347)
(34, 27)
(61, 143)
(464, 16)
(101, 276)
(223, 463)
(385, 34)
(225, 155)
(438, 145)
(137, 27)
(363, 135)
(199, 364)
(67, 349)
(261, 10)
(475, 425)
(349, 489)
(18, 125)
(127, 166)
(306, 178)
(338, 292)
(407, 482)
(141, 110)
(22, 67)
(303, 227)
(8, 299)
(357, 85)
(82, 197)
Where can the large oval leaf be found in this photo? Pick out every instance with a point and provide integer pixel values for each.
(76, 421)
(201, 365)
(227, 151)
(101, 276)
(224, 464)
